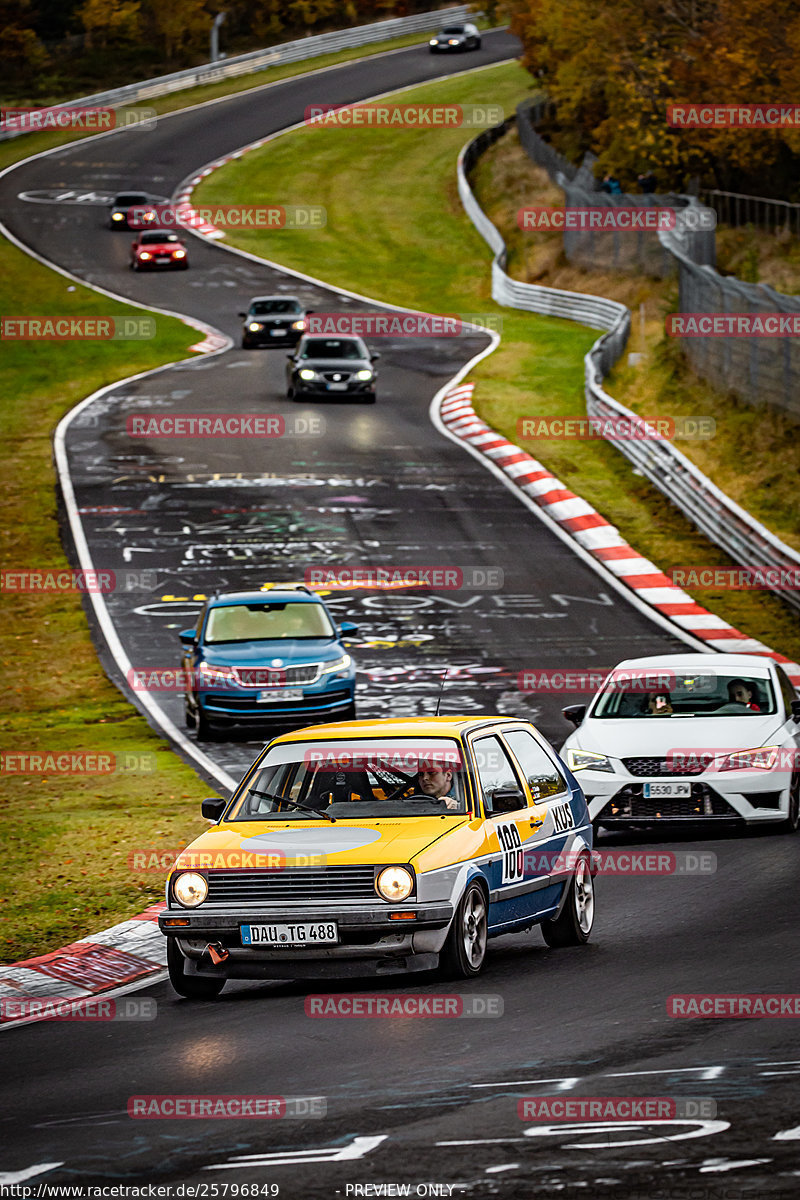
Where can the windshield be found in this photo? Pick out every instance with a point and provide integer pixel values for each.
(262, 308)
(331, 348)
(672, 693)
(265, 622)
(129, 198)
(452, 29)
(157, 235)
(357, 779)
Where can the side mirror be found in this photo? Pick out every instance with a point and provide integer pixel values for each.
(796, 711)
(292, 357)
(309, 311)
(375, 356)
(213, 808)
(575, 713)
(348, 629)
(242, 314)
(187, 637)
(508, 799)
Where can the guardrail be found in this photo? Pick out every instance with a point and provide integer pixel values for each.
(676, 477)
(734, 208)
(261, 60)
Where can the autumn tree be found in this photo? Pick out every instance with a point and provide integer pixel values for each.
(612, 70)
(109, 21)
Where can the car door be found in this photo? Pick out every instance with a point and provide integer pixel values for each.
(511, 827)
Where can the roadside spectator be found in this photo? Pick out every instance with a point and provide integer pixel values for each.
(611, 185)
(647, 181)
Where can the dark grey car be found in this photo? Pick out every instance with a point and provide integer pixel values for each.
(454, 38)
(273, 321)
(331, 367)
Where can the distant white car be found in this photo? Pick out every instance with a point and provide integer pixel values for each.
(689, 737)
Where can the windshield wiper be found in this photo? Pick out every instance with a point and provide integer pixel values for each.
(283, 800)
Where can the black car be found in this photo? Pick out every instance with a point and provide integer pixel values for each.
(331, 366)
(122, 204)
(453, 38)
(273, 321)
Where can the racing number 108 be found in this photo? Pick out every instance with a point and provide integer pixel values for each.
(513, 854)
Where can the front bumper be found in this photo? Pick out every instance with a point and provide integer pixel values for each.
(242, 708)
(267, 337)
(354, 387)
(368, 940)
(724, 797)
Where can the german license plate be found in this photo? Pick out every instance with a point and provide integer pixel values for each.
(277, 332)
(667, 791)
(278, 695)
(307, 933)
(337, 387)
(163, 258)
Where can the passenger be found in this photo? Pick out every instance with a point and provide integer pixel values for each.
(740, 692)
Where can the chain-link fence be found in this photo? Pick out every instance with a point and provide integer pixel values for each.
(761, 370)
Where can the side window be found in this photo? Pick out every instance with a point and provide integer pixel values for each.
(494, 769)
(787, 691)
(540, 771)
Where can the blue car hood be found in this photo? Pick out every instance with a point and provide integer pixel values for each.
(290, 651)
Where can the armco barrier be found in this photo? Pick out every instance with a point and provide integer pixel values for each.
(261, 60)
(715, 514)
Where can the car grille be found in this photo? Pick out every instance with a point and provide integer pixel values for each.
(665, 766)
(629, 804)
(304, 884)
(264, 677)
(229, 703)
(337, 376)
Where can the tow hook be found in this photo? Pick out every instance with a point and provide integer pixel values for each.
(217, 953)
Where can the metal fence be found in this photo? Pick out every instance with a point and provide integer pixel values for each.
(773, 216)
(676, 477)
(762, 371)
(261, 60)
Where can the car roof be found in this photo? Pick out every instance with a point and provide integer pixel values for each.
(258, 299)
(450, 726)
(695, 661)
(262, 597)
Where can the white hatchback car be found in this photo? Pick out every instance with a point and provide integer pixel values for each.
(688, 737)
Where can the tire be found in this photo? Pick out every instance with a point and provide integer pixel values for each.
(478, 43)
(349, 713)
(792, 822)
(205, 732)
(189, 718)
(464, 951)
(190, 986)
(369, 399)
(290, 393)
(573, 925)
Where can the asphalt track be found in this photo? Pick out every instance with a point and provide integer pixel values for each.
(383, 487)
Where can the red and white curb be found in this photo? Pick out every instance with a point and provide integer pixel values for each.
(595, 534)
(124, 954)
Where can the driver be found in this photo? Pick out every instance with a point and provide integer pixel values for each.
(437, 780)
(740, 692)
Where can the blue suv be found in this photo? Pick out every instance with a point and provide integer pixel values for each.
(270, 657)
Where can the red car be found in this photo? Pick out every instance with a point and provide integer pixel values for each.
(157, 248)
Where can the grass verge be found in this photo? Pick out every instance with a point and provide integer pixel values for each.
(417, 247)
(65, 849)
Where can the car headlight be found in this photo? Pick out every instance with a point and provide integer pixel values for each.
(364, 375)
(117, 216)
(434, 41)
(454, 42)
(254, 326)
(190, 889)
(144, 254)
(214, 673)
(298, 324)
(179, 254)
(581, 760)
(339, 664)
(762, 759)
(395, 883)
(307, 373)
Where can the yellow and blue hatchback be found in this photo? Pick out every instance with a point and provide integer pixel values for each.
(372, 847)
